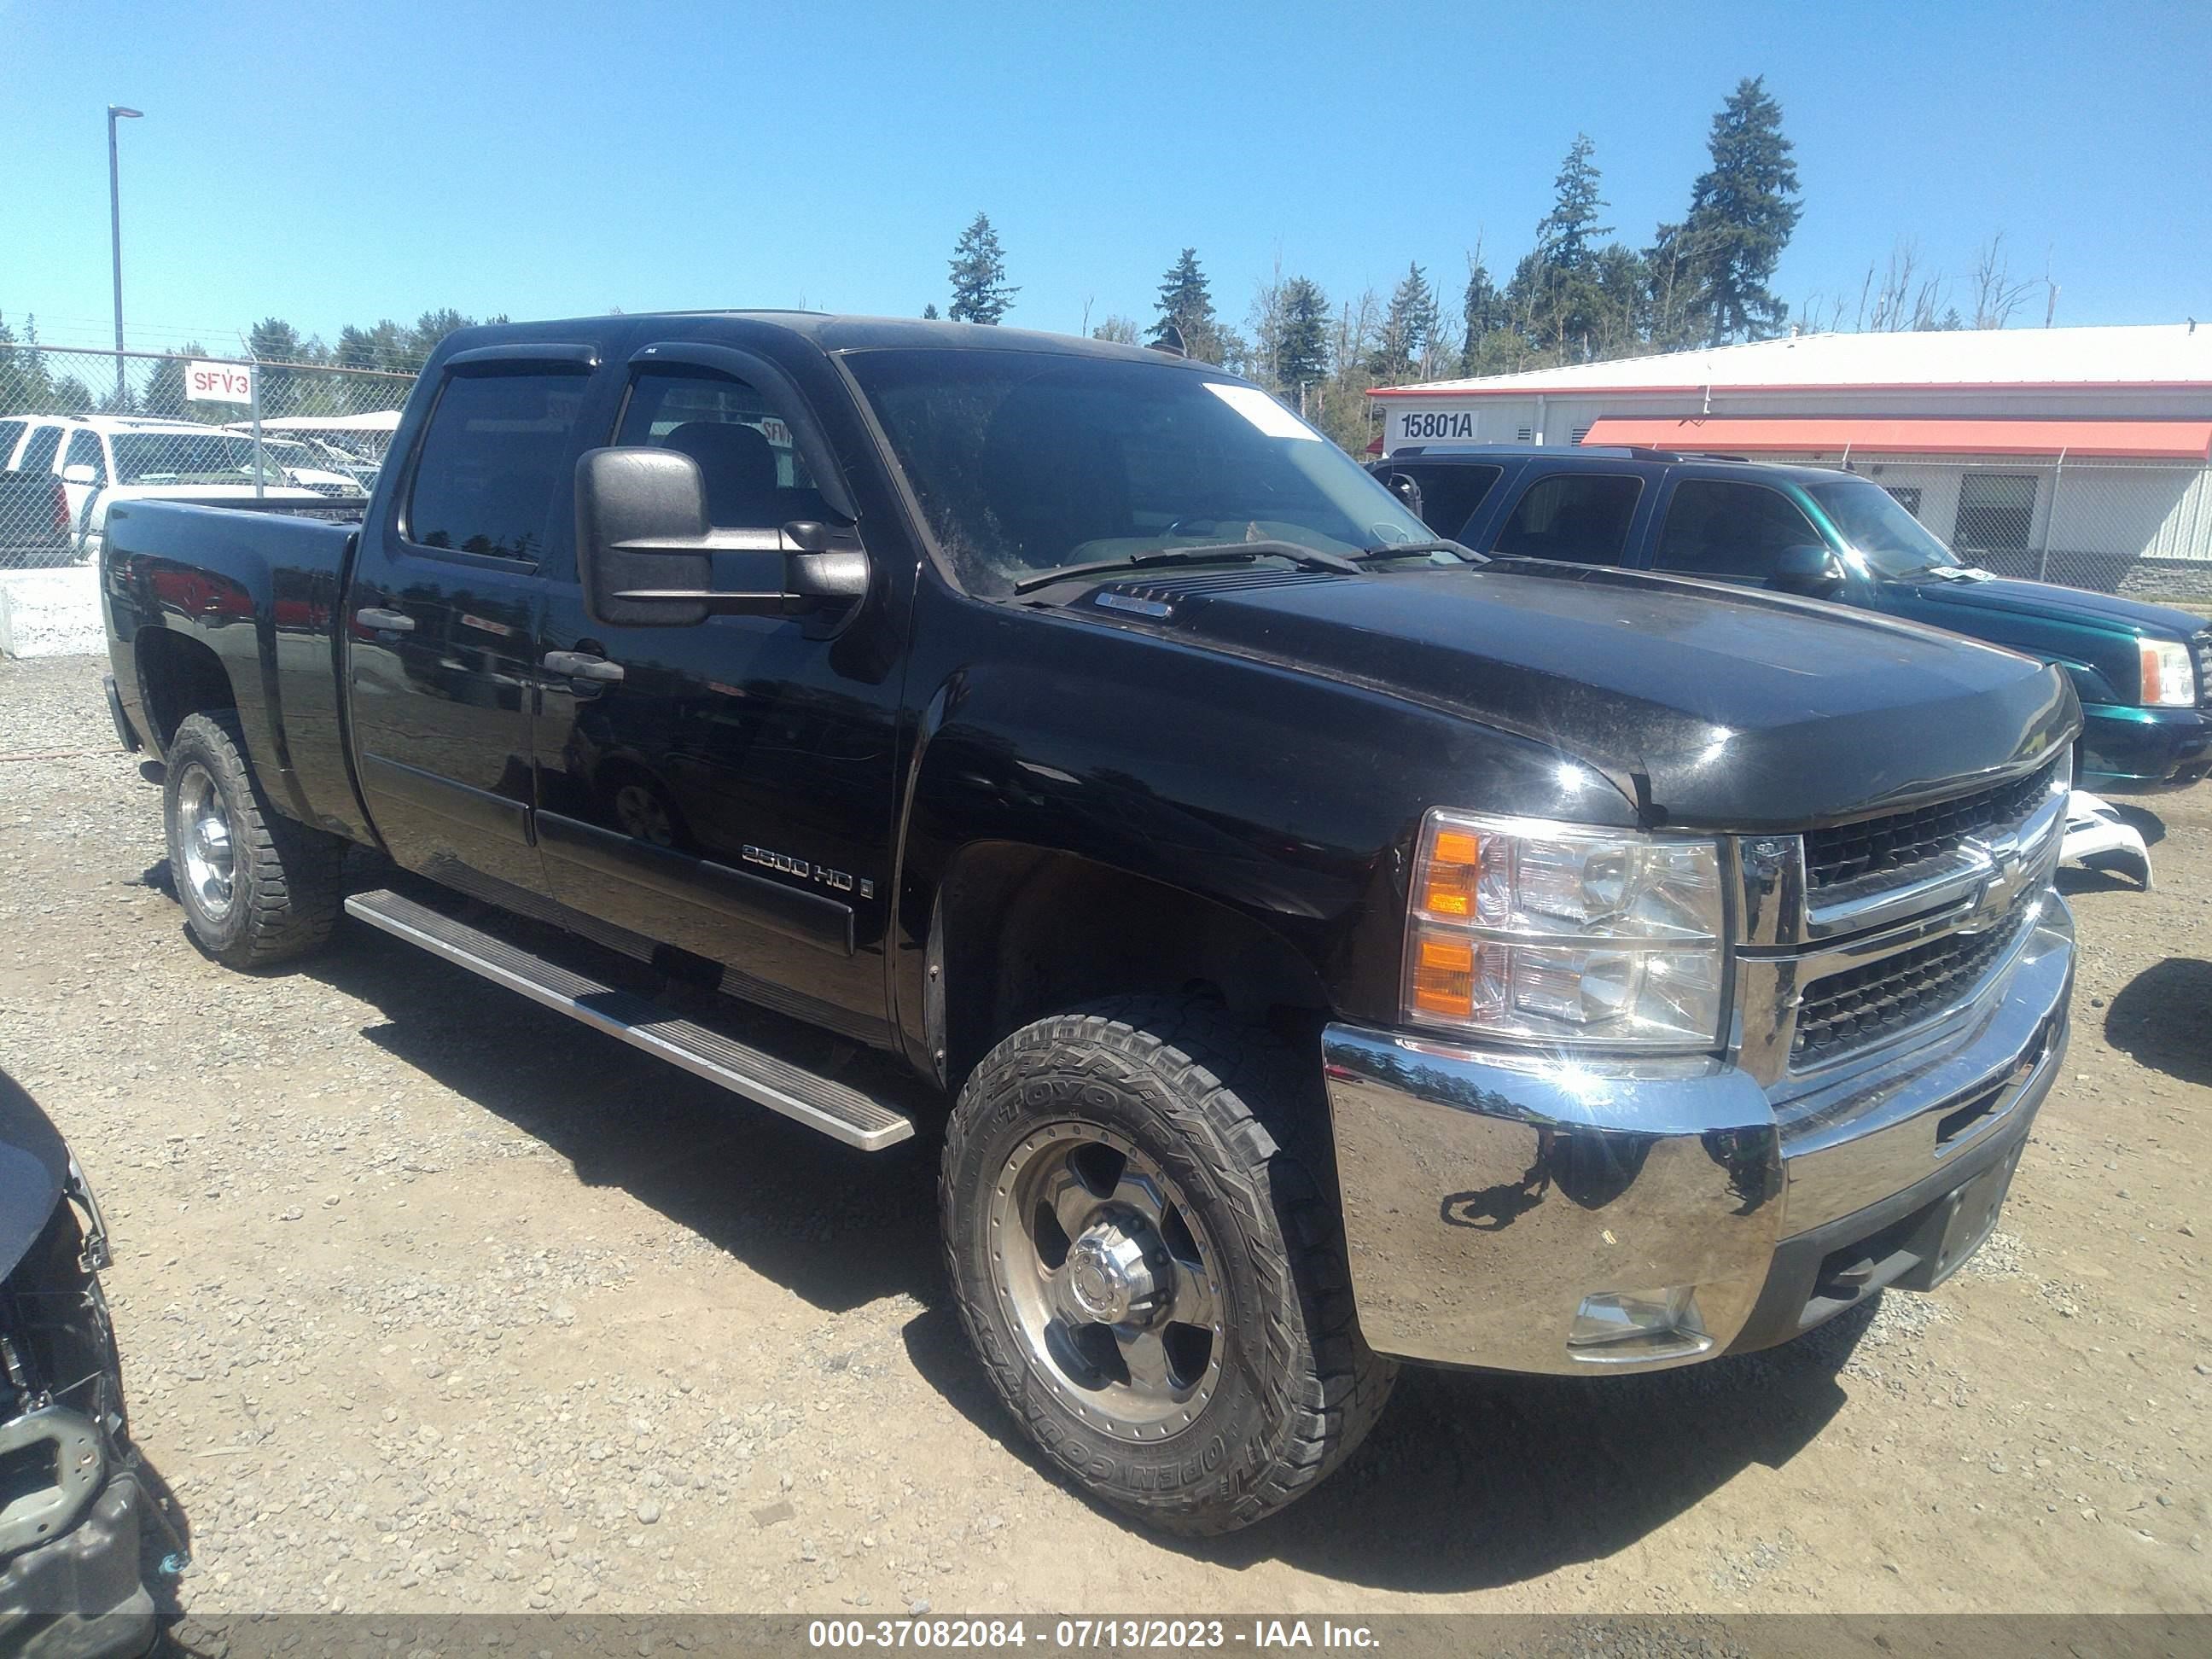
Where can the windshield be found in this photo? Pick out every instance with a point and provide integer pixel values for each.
(183, 457)
(1890, 539)
(1028, 462)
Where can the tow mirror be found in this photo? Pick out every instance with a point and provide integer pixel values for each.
(645, 551)
(81, 473)
(1811, 570)
(1401, 485)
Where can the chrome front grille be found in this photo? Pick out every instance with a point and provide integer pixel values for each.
(1849, 853)
(1863, 1006)
(1829, 973)
(2200, 657)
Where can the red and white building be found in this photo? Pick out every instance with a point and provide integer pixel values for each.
(2083, 452)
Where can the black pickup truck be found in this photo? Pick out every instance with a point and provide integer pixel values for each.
(1314, 949)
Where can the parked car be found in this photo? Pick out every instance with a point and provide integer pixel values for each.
(2143, 671)
(72, 1496)
(1319, 949)
(347, 445)
(35, 527)
(305, 464)
(101, 459)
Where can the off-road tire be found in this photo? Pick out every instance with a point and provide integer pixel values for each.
(1214, 1102)
(287, 878)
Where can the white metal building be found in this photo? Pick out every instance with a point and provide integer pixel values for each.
(2080, 454)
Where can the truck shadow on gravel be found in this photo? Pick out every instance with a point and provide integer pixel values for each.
(837, 1227)
(2158, 1019)
(1471, 1482)
(1468, 1482)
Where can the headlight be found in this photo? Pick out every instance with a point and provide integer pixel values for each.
(2168, 681)
(1545, 932)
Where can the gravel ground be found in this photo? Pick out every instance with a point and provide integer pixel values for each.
(433, 1302)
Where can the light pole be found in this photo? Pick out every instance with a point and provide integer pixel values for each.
(117, 112)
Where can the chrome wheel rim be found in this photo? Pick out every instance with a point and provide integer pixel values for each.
(204, 841)
(1109, 1280)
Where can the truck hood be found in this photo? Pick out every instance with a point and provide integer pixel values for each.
(2006, 596)
(1708, 706)
(33, 1167)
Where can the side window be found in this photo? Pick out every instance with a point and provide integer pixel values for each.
(1730, 530)
(1582, 518)
(11, 434)
(755, 478)
(1451, 494)
(493, 472)
(84, 450)
(39, 454)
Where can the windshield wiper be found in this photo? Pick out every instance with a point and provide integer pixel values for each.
(1399, 550)
(1310, 558)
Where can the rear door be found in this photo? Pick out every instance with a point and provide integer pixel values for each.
(84, 473)
(1573, 516)
(443, 615)
(728, 789)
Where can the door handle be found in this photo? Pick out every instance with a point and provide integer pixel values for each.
(389, 621)
(579, 666)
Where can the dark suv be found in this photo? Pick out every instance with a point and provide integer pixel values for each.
(2143, 671)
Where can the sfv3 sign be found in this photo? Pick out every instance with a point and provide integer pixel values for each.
(219, 383)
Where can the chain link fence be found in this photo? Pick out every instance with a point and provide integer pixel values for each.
(82, 428)
(2139, 528)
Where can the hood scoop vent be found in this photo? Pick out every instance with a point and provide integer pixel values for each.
(1163, 596)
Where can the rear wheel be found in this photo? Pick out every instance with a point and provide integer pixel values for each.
(257, 887)
(1154, 1282)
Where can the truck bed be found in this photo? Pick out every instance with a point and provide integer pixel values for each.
(255, 585)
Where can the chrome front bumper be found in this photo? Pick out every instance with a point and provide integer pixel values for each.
(1496, 1203)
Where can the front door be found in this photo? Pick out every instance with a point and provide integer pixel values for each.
(730, 794)
(445, 618)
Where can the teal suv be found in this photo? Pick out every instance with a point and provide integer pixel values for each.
(2143, 673)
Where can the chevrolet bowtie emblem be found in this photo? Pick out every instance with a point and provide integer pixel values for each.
(1994, 902)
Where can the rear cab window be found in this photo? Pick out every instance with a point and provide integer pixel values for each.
(43, 444)
(1451, 494)
(1578, 517)
(494, 467)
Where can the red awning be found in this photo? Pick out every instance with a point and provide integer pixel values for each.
(2165, 441)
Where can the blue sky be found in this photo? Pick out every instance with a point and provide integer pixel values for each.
(329, 162)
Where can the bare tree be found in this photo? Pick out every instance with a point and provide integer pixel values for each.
(1996, 294)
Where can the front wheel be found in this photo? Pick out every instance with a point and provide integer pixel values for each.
(1154, 1282)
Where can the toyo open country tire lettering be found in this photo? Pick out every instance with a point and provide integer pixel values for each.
(257, 887)
(1156, 1285)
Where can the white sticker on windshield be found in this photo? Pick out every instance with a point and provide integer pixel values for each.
(1263, 411)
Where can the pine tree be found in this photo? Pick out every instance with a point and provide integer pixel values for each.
(1483, 319)
(1407, 326)
(1742, 211)
(26, 387)
(1567, 296)
(1563, 234)
(1186, 305)
(1301, 352)
(273, 340)
(979, 292)
(929, 311)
